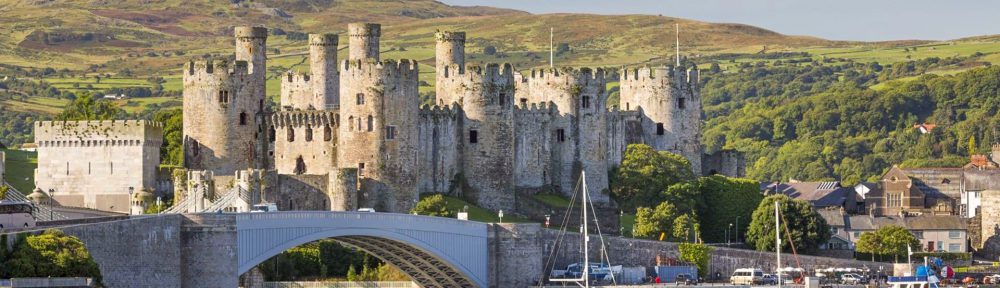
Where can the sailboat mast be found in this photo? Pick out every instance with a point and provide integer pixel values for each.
(777, 240)
(586, 233)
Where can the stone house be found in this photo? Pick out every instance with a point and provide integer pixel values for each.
(948, 233)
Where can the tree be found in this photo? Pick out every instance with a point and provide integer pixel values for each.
(651, 222)
(645, 174)
(808, 230)
(172, 150)
(972, 145)
(891, 240)
(714, 69)
(723, 201)
(85, 107)
(698, 254)
(51, 254)
(3, 190)
(686, 228)
(433, 205)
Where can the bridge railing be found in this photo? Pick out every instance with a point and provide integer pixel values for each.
(43, 212)
(395, 218)
(362, 284)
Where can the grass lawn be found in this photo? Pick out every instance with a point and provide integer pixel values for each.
(626, 222)
(480, 214)
(552, 200)
(20, 169)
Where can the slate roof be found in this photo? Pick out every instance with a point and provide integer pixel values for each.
(923, 222)
(819, 194)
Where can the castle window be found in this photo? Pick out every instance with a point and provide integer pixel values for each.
(371, 124)
(659, 129)
(561, 135)
(309, 133)
(260, 103)
(273, 134)
(350, 123)
(946, 181)
(195, 148)
(243, 118)
(680, 103)
(473, 136)
(586, 102)
(223, 96)
(390, 132)
(300, 166)
(67, 168)
(327, 133)
(524, 101)
(89, 168)
(361, 99)
(111, 166)
(291, 134)
(503, 98)
(627, 106)
(361, 170)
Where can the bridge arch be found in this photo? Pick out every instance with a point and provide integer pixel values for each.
(433, 251)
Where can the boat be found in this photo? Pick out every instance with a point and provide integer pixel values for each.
(575, 273)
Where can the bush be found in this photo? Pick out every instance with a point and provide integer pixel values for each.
(51, 254)
(434, 205)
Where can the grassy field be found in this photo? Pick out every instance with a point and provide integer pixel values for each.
(477, 213)
(898, 54)
(552, 200)
(20, 169)
(627, 221)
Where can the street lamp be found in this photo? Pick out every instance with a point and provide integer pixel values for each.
(501, 216)
(131, 205)
(727, 233)
(52, 192)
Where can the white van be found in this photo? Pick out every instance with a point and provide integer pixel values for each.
(747, 276)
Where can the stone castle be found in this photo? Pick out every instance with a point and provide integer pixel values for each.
(492, 131)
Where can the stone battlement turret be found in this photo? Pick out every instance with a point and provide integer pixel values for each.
(402, 69)
(438, 111)
(324, 40)
(364, 41)
(250, 32)
(490, 72)
(658, 75)
(304, 118)
(582, 75)
(212, 70)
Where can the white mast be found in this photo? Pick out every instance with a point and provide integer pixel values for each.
(586, 234)
(551, 49)
(677, 46)
(777, 240)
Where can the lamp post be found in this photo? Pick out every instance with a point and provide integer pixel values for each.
(727, 233)
(501, 216)
(131, 205)
(52, 192)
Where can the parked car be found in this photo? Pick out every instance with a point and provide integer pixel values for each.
(769, 279)
(852, 279)
(371, 210)
(264, 207)
(747, 276)
(685, 279)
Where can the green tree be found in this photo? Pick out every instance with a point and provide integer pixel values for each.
(698, 254)
(172, 150)
(686, 228)
(85, 107)
(808, 230)
(725, 201)
(972, 145)
(645, 174)
(651, 222)
(891, 240)
(351, 274)
(433, 205)
(3, 190)
(51, 254)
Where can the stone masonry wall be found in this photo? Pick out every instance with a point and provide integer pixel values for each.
(990, 211)
(532, 146)
(208, 250)
(515, 254)
(305, 142)
(439, 134)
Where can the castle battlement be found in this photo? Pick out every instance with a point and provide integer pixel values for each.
(364, 30)
(450, 36)
(324, 39)
(294, 77)
(303, 118)
(250, 32)
(657, 75)
(46, 131)
(404, 68)
(439, 111)
(211, 68)
(567, 74)
(543, 108)
(488, 73)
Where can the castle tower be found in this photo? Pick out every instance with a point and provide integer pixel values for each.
(364, 41)
(579, 128)
(378, 131)
(323, 66)
(449, 58)
(488, 133)
(224, 108)
(304, 142)
(670, 105)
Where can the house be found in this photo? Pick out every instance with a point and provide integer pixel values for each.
(924, 128)
(948, 233)
(819, 194)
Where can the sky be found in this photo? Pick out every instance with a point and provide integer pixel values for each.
(863, 20)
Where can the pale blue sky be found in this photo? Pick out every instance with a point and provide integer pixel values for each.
(867, 20)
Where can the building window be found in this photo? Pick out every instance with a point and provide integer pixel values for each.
(327, 133)
(473, 136)
(659, 129)
(918, 234)
(954, 247)
(946, 181)
(371, 124)
(857, 234)
(834, 230)
(111, 166)
(585, 102)
(390, 132)
(350, 123)
(291, 134)
(954, 234)
(309, 133)
(243, 118)
(361, 99)
(681, 104)
(223, 96)
(560, 135)
(940, 246)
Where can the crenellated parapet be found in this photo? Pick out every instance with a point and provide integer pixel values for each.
(403, 69)
(567, 74)
(429, 112)
(571, 90)
(364, 41)
(98, 133)
(543, 109)
(214, 71)
(250, 32)
(304, 118)
(659, 76)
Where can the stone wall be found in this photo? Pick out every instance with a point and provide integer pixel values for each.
(299, 192)
(532, 146)
(487, 134)
(208, 251)
(990, 224)
(730, 163)
(305, 142)
(440, 135)
(92, 164)
(515, 254)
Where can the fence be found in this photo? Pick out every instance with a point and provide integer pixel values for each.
(314, 284)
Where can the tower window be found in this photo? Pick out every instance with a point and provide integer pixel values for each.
(291, 134)
(273, 134)
(361, 99)
(223, 96)
(327, 133)
(361, 170)
(503, 98)
(371, 124)
(524, 101)
(309, 133)
(680, 103)
(585, 102)
(473, 136)
(350, 123)
(561, 135)
(390, 132)
(195, 148)
(243, 118)
(659, 129)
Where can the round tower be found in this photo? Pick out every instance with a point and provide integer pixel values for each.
(449, 56)
(323, 66)
(488, 130)
(250, 47)
(364, 41)
(378, 131)
(220, 127)
(670, 105)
